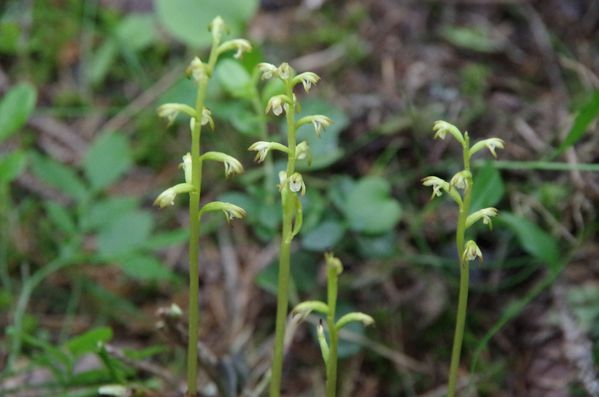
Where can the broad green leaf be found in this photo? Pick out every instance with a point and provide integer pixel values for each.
(324, 236)
(378, 246)
(188, 20)
(533, 239)
(88, 341)
(136, 31)
(101, 61)
(325, 150)
(145, 268)
(167, 239)
(104, 211)
(9, 37)
(60, 217)
(488, 187)
(369, 207)
(106, 160)
(58, 175)
(124, 234)
(586, 114)
(15, 108)
(234, 78)
(11, 166)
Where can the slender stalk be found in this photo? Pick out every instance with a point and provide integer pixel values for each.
(464, 278)
(284, 255)
(194, 233)
(332, 303)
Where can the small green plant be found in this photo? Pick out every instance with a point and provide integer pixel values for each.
(192, 165)
(329, 349)
(466, 250)
(291, 183)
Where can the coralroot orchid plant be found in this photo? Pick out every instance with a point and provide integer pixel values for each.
(200, 72)
(329, 349)
(459, 189)
(291, 185)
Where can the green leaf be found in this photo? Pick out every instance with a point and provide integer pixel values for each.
(125, 233)
(15, 108)
(11, 166)
(586, 114)
(470, 39)
(369, 208)
(88, 341)
(488, 187)
(9, 37)
(188, 20)
(58, 175)
(145, 268)
(60, 217)
(106, 160)
(533, 239)
(378, 246)
(167, 239)
(101, 61)
(324, 236)
(325, 150)
(234, 78)
(104, 211)
(136, 31)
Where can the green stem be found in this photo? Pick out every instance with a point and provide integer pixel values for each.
(333, 338)
(284, 256)
(194, 232)
(464, 279)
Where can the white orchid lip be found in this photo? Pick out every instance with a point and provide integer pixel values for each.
(296, 183)
(231, 164)
(308, 79)
(485, 214)
(318, 121)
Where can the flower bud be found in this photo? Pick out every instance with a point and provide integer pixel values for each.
(278, 104)
(319, 122)
(296, 183)
(461, 180)
(485, 214)
(302, 151)
(167, 197)
(218, 28)
(333, 263)
(307, 79)
(197, 70)
(231, 211)
(471, 251)
(262, 148)
(354, 317)
(239, 45)
(491, 144)
(437, 184)
(186, 165)
(441, 129)
(232, 165)
(171, 110)
(207, 118)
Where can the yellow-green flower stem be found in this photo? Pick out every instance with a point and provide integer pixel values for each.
(284, 253)
(333, 338)
(194, 231)
(464, 277)
(269, 185)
